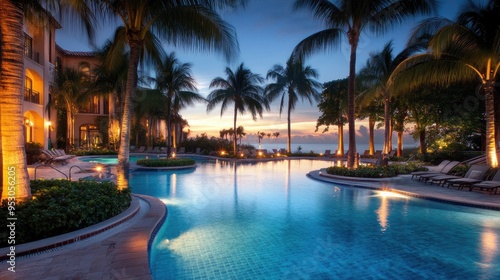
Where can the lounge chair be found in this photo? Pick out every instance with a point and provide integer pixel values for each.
(141, 149)
(182, 150)
(52, 157)
(367, 153)
(492, 185)
(473, 171)
(475, 174)
(327, 153)
(155, 150)
(149, 149)
(391, 153)
(444, 171)
(437, 168)
(62, 153)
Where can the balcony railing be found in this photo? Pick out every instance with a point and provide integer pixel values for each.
(34, 55)
(32, 96)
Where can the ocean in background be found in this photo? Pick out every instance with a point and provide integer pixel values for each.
(319, 147)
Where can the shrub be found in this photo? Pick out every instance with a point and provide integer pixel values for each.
(61, 206)
(32, 152)
(94, 152)
(166, 162)
(374, 171)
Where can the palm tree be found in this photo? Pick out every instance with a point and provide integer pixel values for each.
(193, 23)
(12, 150)
(351, 18)
(464, 50)
(242, 89)
(69, 94)
(240, 132)
(333, 105)
(292, 82)
(175, 81)
(110, 78)
(376, 73)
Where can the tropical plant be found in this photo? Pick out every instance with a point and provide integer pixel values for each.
(242, 89)
(375, 76)
(69, 94)
(333, 108)
(240, 132)
(175, 82)
(194, 23)
(14, 13)
(351, 18)
(461, 50)
(291, 82)
(110, 77)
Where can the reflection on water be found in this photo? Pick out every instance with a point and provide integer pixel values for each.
(267, 220)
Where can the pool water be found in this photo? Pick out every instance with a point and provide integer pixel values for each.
(112, 159)
(268, 220)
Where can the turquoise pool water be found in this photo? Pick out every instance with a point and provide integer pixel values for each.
(268, 220)
(112, 159)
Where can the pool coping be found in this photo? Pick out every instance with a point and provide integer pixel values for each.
(73, 236)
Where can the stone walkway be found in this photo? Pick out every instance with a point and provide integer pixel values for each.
(120, 250)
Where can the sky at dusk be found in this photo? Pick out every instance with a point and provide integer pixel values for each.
(267, 32)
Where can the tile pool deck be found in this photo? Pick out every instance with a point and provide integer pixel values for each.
(121, 252)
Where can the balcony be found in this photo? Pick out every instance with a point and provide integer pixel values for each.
(31, 96)
(33, 55)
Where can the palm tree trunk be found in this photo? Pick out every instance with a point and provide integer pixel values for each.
(400, 144)
(351, 94)
(423, 146)
(387, 123)
(371, 127)
(340, 147)
(234, 130)
(122, 168)
(14, 176)
(289, 138)
(169, 127)
(69, 128)
(491, 147)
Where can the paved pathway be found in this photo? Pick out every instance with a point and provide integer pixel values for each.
(118, 253)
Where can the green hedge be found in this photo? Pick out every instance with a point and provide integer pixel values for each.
(94, 152)
(375, 171)
(61, 206)
(166, 162)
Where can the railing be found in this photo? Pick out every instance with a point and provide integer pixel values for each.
(48, 165)
(32, 96)
(34, 55)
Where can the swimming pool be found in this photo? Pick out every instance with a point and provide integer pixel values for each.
(113, 159)
(267, 220)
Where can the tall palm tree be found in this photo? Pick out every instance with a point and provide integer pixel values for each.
(14, 12)
(69, 94)
(110, 79)
(175, 81)
(461, 50)
(191, 23)
(240, 132)
(241, 88)
(351, 18)
(291, 82)
(333, 105)
(376, 74)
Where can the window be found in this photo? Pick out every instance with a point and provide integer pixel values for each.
(28, 46)
(30, 95)
(92, 107)
(105, 105)
(28, 49)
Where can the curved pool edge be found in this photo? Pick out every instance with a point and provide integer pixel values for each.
(405, 186)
